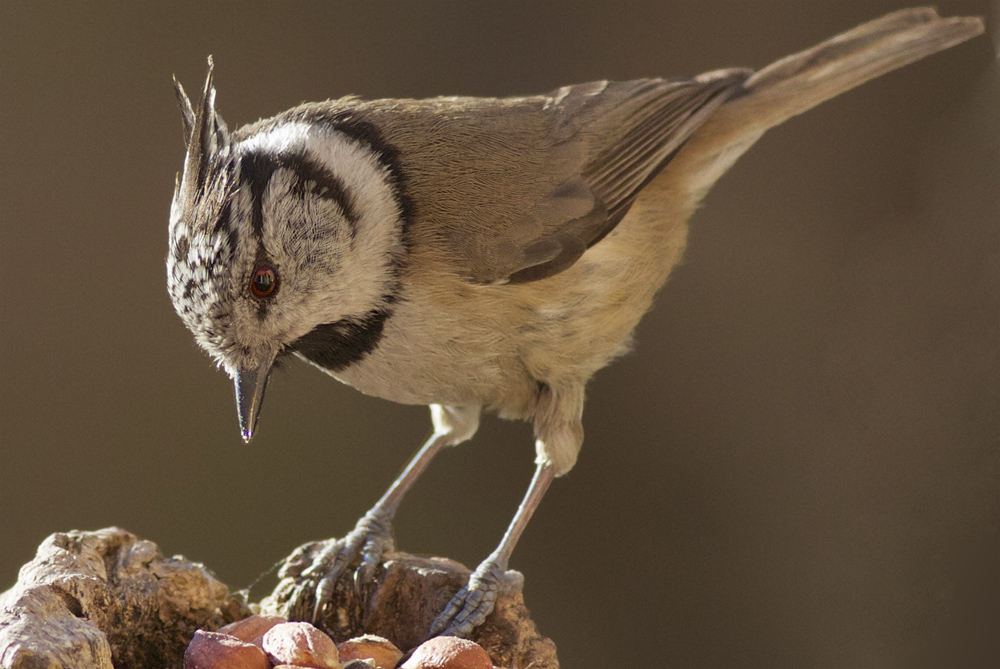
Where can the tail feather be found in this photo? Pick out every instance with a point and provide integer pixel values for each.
(801, 81)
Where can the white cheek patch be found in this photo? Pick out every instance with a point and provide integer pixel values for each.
(376, 242)
(368, 181)
(336, 256)
(293, 223)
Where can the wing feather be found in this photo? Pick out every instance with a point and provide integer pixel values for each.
(630, 130)
(517, 189)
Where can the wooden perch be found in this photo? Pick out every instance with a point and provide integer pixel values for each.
(98, 600)
(406, 596)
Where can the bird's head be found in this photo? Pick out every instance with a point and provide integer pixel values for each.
(285, 237)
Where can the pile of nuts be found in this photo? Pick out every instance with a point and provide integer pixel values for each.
(271, 642)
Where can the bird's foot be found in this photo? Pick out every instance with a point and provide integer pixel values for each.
(363, 546)
(470, 606)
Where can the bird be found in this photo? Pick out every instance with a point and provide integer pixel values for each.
(472, 254)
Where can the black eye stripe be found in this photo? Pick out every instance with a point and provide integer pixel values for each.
(312, 178)
(258, 167)
(348, 123)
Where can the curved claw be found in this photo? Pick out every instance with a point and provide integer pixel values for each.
(368, 541)
(469, 607)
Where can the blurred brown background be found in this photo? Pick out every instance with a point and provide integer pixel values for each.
(798, 467)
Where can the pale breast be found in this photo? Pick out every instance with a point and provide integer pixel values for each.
(451, 342)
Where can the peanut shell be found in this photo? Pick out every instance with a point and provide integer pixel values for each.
(448, 652)
(212, 650)
(300, 644)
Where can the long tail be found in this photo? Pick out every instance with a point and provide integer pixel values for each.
(801, 81)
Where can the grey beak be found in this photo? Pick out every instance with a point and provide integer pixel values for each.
(250, 385)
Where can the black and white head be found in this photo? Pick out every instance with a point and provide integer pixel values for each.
(285, 237)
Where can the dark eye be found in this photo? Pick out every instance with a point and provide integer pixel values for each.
(264, 282)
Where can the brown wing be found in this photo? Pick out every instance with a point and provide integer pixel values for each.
(516, 189)
(630, 131)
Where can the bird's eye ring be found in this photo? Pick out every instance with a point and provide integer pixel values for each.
(264, 282)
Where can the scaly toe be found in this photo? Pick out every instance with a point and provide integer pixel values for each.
(364, 546)
(472, 604)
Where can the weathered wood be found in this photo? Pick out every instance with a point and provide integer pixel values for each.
(407, 594)
(104, 599)
(97, 600)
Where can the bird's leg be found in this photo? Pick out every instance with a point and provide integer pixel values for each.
(470, 606)
(372, 536)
